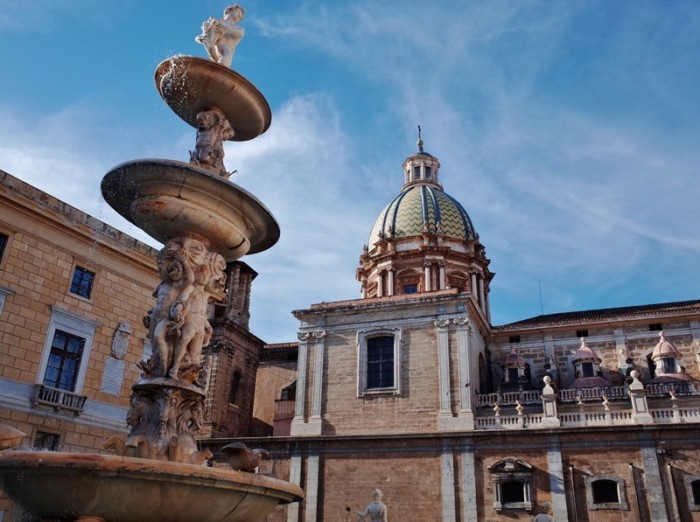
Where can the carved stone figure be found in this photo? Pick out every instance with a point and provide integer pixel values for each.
(242, 458)
(212, 129)
(376, 510)
(178, 327)
(220, 37)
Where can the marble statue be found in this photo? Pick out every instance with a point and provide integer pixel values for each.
(212, 129)
(220, 37)
(376, 510)
(191, 277)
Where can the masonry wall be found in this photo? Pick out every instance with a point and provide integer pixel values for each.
(47, 239)
(448, 478)
(413, 411)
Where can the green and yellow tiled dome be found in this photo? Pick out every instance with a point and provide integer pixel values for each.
(422, 208)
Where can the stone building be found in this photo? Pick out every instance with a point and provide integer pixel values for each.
(582, 416)
(73, 294)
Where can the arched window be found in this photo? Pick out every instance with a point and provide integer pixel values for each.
(235, 387)
(483, 378)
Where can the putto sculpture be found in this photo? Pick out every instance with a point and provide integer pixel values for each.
(220, 37)
(212, 130)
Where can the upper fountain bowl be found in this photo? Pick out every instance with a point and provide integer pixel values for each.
(191, 85)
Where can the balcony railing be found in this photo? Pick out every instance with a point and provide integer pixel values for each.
(59, 400)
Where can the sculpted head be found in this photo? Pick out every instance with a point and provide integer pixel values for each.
(234, 12)
(377, 494)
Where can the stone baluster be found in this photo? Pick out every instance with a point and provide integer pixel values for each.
(549, 405)
(638, 397)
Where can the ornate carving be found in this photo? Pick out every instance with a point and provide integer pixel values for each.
(442, 323)
(120, 341)
(303, 336)
(461, 321)
(163, 418)
(212, 130)
(191, 277)
(220, 37)
(319, 334)
(242, 458)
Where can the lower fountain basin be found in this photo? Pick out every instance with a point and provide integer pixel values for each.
(123, 489)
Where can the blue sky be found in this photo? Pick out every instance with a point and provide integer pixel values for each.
(569, 131)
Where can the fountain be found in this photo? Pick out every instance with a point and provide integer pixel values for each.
(204, 221)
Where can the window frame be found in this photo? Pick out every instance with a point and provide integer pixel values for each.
(4, 246)
(74, 325)
(42, 432)
(78, 267)
(621, 505)
(362, 361)
(689, 481)
(64, 355)
(512, 470)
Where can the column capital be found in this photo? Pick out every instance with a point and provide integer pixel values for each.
(442, 323)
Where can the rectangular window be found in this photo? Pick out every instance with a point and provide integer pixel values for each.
(587, 369)
(581, 333)
(82, 282)
(64, 361)
(656, 327)
(380, 362)
(513, 339)
(410, 289)
(3, 243)
(669, 365)
(46, 441)
(428, 172)
(416, 173)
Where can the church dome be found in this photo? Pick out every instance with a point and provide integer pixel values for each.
(424, 241)
(422, 208)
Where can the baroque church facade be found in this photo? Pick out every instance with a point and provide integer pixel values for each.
(581, 416)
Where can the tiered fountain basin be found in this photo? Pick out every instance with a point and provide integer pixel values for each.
(52, 485)
(167, 198)
(190, 85)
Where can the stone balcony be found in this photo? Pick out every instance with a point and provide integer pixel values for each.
(585, 407)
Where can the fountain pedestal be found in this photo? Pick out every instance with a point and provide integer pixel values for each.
(204, 222)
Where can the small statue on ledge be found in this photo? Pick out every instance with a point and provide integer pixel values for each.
(376, 510)
(220, 37)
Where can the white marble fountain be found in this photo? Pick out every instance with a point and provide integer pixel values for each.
(157, 473)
